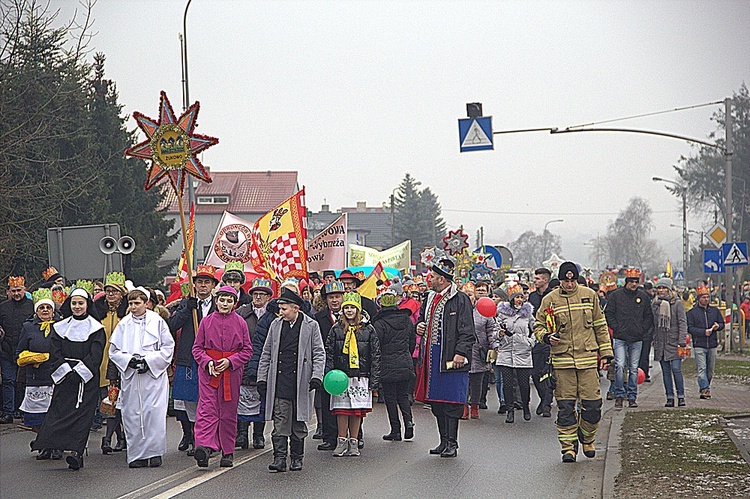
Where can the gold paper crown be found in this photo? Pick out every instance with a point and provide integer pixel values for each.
(632, 274)
(86, 285)
(469, 286)
(49, 273)
(513, 289)
(16, 281)
(206, 271)
(234, 265)
(701, 290)
(42, 294)
(59, 296)
(116, 279)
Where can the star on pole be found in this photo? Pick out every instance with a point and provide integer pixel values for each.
(455, 242)
(172, 146)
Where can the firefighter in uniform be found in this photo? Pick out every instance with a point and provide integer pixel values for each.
(572, 323)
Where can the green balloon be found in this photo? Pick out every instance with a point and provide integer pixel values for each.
(336, 382)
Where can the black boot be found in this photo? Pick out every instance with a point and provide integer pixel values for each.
(242, 439)
(74, 460)
(106, 445)
(526, 413)
(191, 443)
(451, 449)
(510, 416)
(440, 448)
(186, 434)
(297, 452)
(202, 455)
(279, 454)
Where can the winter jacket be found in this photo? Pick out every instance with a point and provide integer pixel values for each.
(398, 339)
(12, 316)
(515, 336)
(33, 339)
(698, 320)
(368, 346)
(485, 329)
(310, 364)
(666, 342)
(183, 319)
(258, 337)
(582, 327)
(109, 319)
(457, 326)
(629, 314)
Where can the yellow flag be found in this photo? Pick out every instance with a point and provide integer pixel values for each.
(669, 269)
(369, 288)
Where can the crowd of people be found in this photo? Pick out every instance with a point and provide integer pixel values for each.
(230, 355)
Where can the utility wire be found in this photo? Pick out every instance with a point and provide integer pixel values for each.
(646, 114)
(551, 213)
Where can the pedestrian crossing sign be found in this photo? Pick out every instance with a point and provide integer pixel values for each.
(735, 254)
(475, 134)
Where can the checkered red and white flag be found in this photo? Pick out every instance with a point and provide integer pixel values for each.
(279, 240)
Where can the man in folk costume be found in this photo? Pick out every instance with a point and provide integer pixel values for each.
(291, 367)
(571, 321)
(141, 347)
(447, 327)
(185, 388)
(221, 349)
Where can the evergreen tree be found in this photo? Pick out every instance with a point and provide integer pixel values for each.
(417, 216)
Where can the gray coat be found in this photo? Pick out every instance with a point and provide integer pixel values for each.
(514, 350)
(311, 362)
(485, 330)
(666, 342)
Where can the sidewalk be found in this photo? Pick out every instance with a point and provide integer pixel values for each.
(731, 397)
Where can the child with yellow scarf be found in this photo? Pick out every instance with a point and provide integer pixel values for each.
(353, 347)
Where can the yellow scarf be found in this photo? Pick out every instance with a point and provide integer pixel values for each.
(350, 347)
(44, 326)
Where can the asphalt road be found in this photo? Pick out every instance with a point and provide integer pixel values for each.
(495, 459)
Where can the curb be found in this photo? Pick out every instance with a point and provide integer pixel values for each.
(741, 444)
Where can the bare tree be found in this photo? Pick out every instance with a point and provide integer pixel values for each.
(531, 249)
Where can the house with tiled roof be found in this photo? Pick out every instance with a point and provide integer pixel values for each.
(367, 225)
(249, 195)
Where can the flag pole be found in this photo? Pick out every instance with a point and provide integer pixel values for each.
(188, 258)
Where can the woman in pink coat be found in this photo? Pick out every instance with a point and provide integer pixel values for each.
(222, 348)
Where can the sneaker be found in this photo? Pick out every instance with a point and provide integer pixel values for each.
(632, 403)
(227, 461)
(618, 402)
(708, 394)
(342, 447)
(670, 403)
(680, 402)
(353, 447)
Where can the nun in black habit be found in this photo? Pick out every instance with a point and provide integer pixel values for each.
(77, 346)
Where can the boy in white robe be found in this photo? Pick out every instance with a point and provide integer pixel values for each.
(141, 347)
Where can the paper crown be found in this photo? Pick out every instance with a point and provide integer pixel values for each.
(468, 287)
(632, 273)
(701, 290)
(387, 298)
(116, 279)
(49, 273)
(360, 275)
(206, 271)
(418, 279)
(334, 287)
(16, 281)
(86, 285)
(42, 294)
(352, 299)
(59, 296)
(234, 265)
(513, 289)
(260, 284)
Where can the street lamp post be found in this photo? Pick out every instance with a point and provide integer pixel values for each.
(185, 104)
(682, 188)
(544, 237)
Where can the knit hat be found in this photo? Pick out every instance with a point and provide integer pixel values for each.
(352, 299)
(228, 290)
(664, 282)
(568, 271)
(234, 269)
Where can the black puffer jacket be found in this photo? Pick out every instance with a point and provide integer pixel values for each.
(368, 346)
(398, 339)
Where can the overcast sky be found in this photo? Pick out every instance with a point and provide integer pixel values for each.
(355, 94)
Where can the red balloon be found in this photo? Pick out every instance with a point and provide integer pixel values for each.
(641, 376)
(486, 307)
(687, 339)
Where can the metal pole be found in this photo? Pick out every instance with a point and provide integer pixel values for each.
(185, 105)
(393, 229)
(728, 215)
(685, 242)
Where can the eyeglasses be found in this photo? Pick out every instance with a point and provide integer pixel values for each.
(110, 291)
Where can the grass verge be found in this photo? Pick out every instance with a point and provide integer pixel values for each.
(679, 453)
(736, 370)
